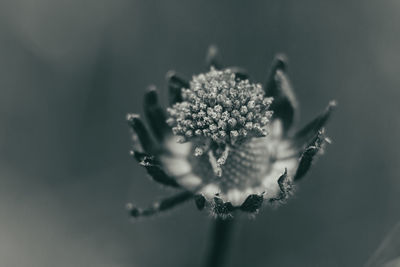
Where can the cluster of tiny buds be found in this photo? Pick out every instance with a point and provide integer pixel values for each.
(219, 107)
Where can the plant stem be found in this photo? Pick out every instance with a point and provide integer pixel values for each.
(221, 234)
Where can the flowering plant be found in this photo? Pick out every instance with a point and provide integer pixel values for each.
(226, 141)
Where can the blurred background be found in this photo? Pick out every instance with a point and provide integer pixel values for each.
(71, 69)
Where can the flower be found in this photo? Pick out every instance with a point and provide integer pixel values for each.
(227, 142)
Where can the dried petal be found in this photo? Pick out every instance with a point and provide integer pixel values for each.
(222, 208)
(200, 201)
(252, 203)
(285, 186)
(312, 128)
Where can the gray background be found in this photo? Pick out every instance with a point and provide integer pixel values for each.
(71, 70)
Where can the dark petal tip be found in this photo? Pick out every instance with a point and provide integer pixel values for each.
(286, 185)
(221, 207)
(240, 73)
(279, 87)
(284, 104)
(169, 75)
(252, 203)
(175, 85)
(333, 103)
(283, 179)
(150, 97)
(212, 50)
(155, 115)
(200, 201)
(145, 159)
(139, 156)
(330, 108)
(133, 211)
(176, 80)
(310, 153)
(212, 57)
(311, 129)
(280, 62)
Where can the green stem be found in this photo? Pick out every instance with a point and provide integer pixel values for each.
(221, 234)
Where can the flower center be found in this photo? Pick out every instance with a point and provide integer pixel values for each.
(219, 111)
(246, 165)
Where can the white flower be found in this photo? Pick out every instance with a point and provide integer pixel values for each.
(226, 141)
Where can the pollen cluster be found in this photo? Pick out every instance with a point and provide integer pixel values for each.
(221, 108)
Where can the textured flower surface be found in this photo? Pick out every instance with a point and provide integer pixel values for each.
(225, 141)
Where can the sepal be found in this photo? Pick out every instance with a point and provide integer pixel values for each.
(252, 203)
(286, 188)
(200, 201)
(310, 153)
(221, 208)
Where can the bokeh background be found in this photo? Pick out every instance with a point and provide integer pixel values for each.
(71, 69)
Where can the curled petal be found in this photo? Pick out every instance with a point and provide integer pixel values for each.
(141, 132)
(175, 85)
(309, 154)
(285, 186)
(154, 169)
(155, 115)
(221, 208)
(279, 87)
(252, 203)
(163, 205)
(312, 128)
(200, 201)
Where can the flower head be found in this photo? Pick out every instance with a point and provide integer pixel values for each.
(220, 108)
(226, 141)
